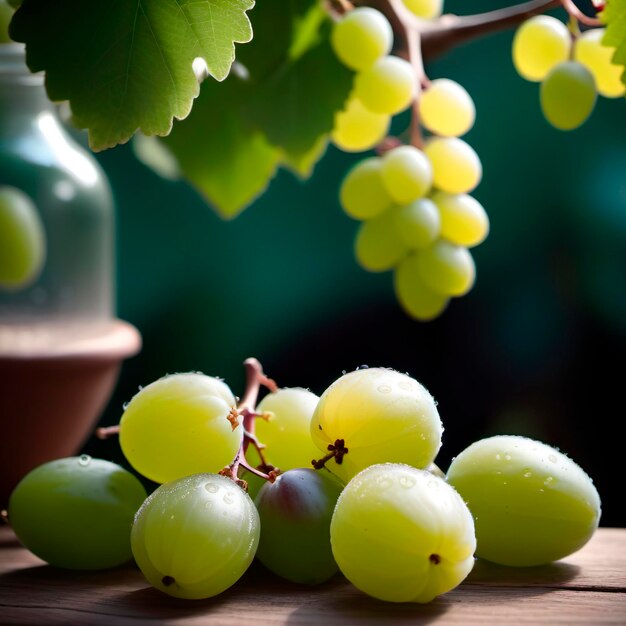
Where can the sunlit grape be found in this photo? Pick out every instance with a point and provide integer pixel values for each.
(597, 58)
(407, 174)
(427, 9)
(357, 128)
(388, 87)
(446, 108)
(378, 246)
(361, 37)
(463, 219)
(568, 95)
(447, 268)
(531, 503)
(418, 224)
(195, 537)
(540, 43)
(402, 534)
(378, 416)
(363, 194)
(456, 166)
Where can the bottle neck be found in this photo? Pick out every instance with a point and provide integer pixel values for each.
(22, 94)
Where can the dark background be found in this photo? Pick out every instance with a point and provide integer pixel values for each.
(537, 348)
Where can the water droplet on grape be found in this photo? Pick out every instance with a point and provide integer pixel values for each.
(211, 487)
(363, 367)
(548, 481)
(407, 482)
(84, 460)
(407, 386)
(498, 457)
(422, 436)
(125, 405)
(552, 458)
(507, 457)
(527, 473)
(228, 497)
(384, 389)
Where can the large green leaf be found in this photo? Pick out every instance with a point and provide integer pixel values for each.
(228, 162)
(126, 65)
(614, 16)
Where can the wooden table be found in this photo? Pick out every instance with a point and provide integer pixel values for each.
(588, 587)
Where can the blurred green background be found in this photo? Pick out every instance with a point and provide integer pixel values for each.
(537, 348)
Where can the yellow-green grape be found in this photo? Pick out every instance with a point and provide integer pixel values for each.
(589, 51)
(456, 166)
(378, 416)
(357, 128)
(531, 503)
(388, 87)
(427, 9)
(178, 426)
(539, 44)
(363, 194)
(418, 300)
(194, 537)
(378, 246)
(287, 431)
(418, 224)
(401, 534)
(361, 37)
(447, 268)
(407, 174)
(446, 108)
(568, 95)
(22, 240)
(463, 219)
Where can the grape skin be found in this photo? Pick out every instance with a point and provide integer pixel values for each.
(361, 37)
(357, 128)
(456, 166)
(447, 269)
(378, 247)
(597, 58)
(407, 174)
(463, 219)
(540, 43)
(417, 224)
(76, 512)
(178, 426)
(401, 534)
(22, 240)
(195, 537)
(531, 503)
(426, 9)
(446, 108)
(568, 95)
(295, 512)
(362, 193)
(388, 87)
(382, 416)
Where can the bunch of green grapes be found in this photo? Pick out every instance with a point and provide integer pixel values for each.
(384, 84)
(373, 506)
(571, 67)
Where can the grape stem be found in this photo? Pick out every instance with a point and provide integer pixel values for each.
(578, 15)
(105, 432)
(246, 410)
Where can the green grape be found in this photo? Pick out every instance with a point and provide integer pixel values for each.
(361, 37)
(381, 416)
(178, 426)
(463, 219)
(540, 43)
(568, 95)
(295, 512)
(418, 224)
(378, 246)
(407, 174)
(77, 512)
(427, 9)
(194, 537)
(418, 300)
(362, 194)
(597, 58)
(357, 128)
(402, 534)
(446, 108)
(531, 503)
(456, 167)
(22, 240)
(287, 432)
(388, 87)
(447, 268)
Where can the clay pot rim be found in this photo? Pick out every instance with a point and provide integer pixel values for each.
(116, 341)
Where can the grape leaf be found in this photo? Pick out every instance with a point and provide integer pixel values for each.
(614, 16)
(229, 163)
(126, 65)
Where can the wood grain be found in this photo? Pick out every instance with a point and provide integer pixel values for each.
(588, 587)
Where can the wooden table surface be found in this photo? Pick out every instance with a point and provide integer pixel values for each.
(588, 587)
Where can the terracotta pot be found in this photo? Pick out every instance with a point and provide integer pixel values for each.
(50, 401)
